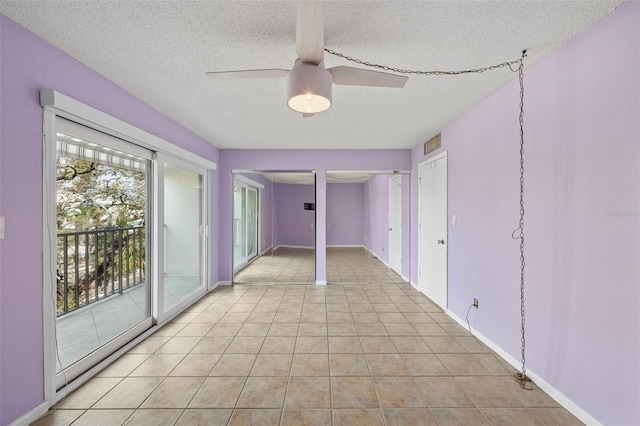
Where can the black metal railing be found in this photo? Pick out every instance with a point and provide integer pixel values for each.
(93, 265)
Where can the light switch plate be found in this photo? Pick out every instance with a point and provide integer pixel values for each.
(454, 219)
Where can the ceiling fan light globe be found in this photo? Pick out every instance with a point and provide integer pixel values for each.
(309, 88)
(301, 103)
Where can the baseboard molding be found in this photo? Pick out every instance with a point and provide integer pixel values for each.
(319, 282)
(266, 250)
(33, 415)
(218, 284)
(414, 285)
(388, 266)
(299, 247)
(554, 393)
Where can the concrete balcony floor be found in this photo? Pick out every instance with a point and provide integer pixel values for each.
(82, 331)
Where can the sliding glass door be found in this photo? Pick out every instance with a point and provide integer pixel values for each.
(125, 236)
(239, 227)
(182, 213)
(252, 223)
(245, 224)
(103, 286)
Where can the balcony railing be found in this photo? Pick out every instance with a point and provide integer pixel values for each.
(93, 265)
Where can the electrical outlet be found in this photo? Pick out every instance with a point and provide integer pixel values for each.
(475, 303)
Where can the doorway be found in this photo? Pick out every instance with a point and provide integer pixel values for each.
(432, 243)
(361, 205)
(273, 236)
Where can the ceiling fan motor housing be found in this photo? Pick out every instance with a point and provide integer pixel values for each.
(309, 88)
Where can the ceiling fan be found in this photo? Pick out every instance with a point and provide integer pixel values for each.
(309, 83)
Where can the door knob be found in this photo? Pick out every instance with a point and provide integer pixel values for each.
(441, 242)
(390, 229)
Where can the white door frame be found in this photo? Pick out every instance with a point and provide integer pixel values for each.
(249, 185)
(394, 183)
(421, 243)
(159, 313)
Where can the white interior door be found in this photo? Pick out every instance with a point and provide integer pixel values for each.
(395, 223)
(432, 264)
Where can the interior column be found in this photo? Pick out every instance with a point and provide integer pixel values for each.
(321, 227)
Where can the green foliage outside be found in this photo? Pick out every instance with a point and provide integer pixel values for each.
(92, 197)
(98, 196)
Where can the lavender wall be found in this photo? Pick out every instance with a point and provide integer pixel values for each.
(346, 214)
(582, 225)
(319, 160)
(294, 226)
(29, 64)
(378, 208)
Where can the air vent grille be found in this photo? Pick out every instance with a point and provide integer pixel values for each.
(432, 144)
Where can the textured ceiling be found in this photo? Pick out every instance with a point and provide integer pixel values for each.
(160, 50)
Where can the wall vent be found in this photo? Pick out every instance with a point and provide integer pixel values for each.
(432, 144)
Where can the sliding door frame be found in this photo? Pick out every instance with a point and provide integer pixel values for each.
(248, 184)
(161, 159)
(56, 105)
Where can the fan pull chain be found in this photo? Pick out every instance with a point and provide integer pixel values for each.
(521, 376)
(509, 64)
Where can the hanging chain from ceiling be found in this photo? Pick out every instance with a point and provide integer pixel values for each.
(518, 234)
(521, 376)
(510, 64)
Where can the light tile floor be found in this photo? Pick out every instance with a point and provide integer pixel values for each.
(297, 265)
(357, 265)
(377, 354)
(282, 265)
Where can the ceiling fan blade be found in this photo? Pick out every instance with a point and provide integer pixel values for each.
(268, 73)
(310, 32)
(359, 77)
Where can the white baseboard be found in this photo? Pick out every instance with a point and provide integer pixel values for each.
(33, 415)
(389, 266)
(289, 246)
(266, 250)
(554, 393)
(219, 283)
(414, 285)
(318, 282)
